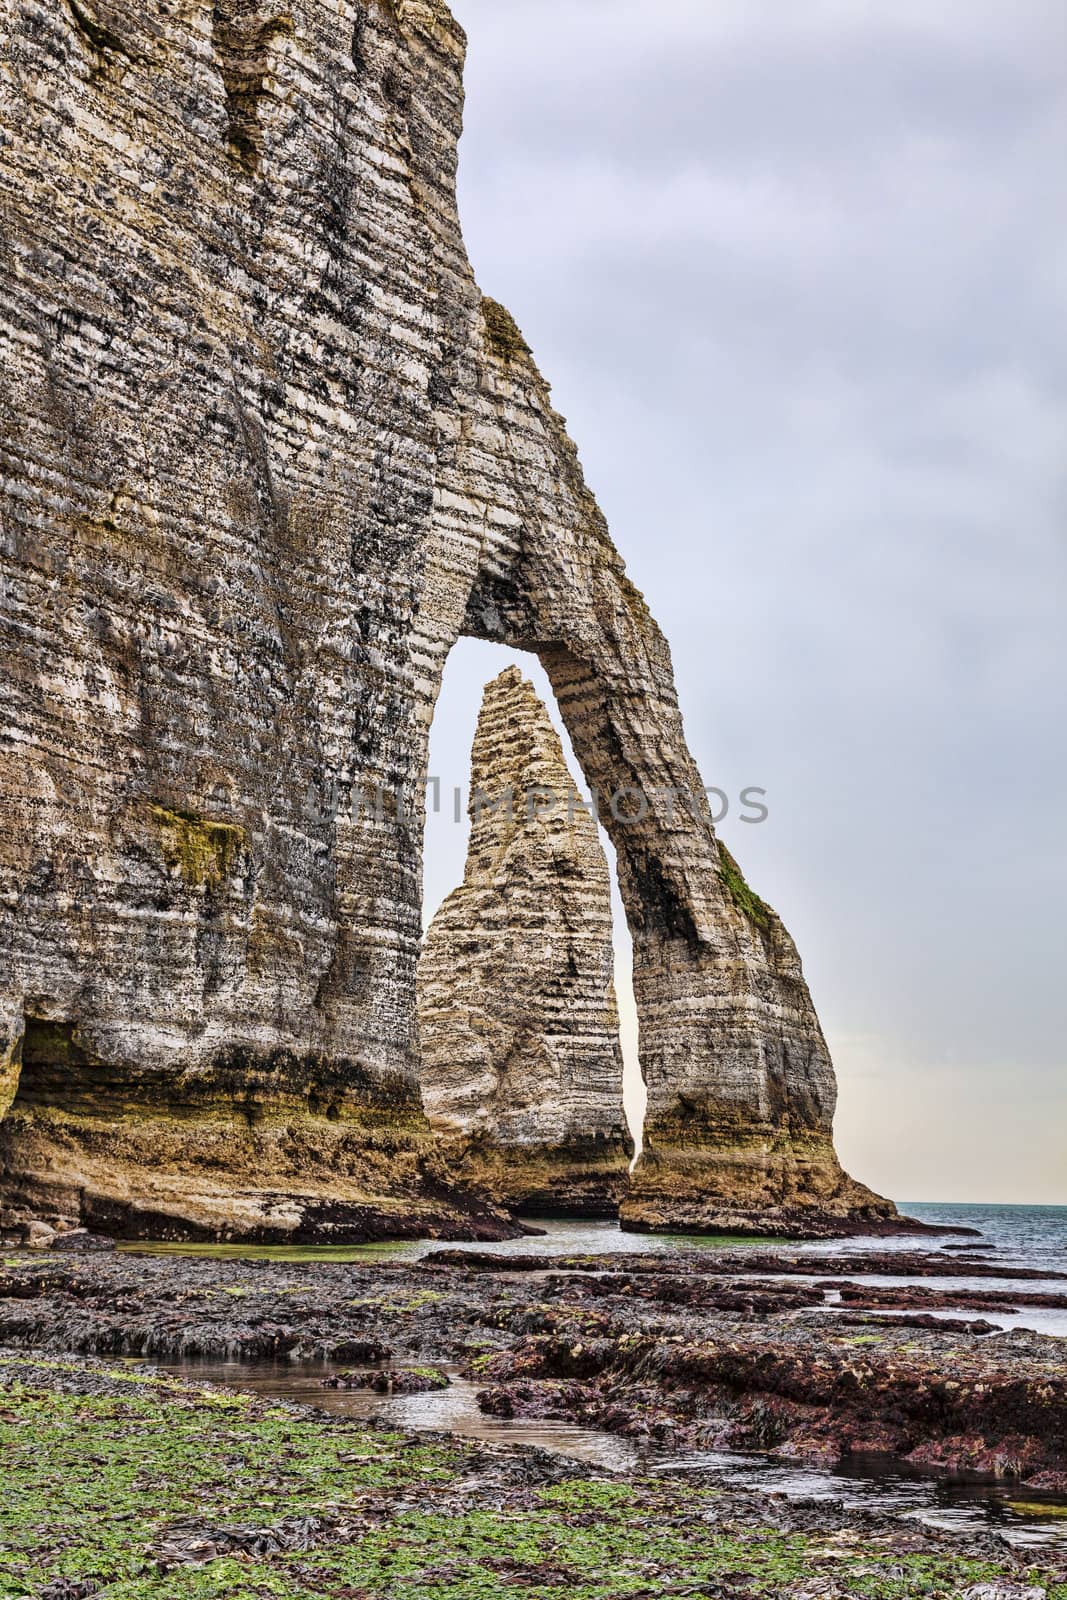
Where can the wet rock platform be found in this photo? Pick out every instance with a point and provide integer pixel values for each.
(697, 1349)
(132, 1484)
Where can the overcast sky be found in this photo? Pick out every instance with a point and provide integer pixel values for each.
(797, 276)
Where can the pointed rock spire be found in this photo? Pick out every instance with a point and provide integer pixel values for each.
(522, 1068)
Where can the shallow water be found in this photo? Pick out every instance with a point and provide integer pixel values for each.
(944, 1500)
(560, 1238)
(1025, 1236)
(387, 1250)
(1031, 1236)
(452, 1410)
(1034, 1319)
(1028, 1319)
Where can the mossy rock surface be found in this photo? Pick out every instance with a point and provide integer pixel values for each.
(744, 898)
(205, 853)
(503, 333)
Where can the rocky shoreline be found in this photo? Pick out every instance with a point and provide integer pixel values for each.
(153, 1488)
(744, 1348)
(791, 1354)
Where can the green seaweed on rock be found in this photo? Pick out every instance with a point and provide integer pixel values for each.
(148, 1488)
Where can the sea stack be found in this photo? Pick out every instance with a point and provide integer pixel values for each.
(521, 1062)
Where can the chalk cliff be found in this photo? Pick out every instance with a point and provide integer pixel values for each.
(265, 453)
(521, 1062)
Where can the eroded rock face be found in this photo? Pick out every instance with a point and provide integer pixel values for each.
(521, 1063)
(265, 453)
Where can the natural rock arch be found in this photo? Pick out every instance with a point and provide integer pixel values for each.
(741, 1089)
(266, 453)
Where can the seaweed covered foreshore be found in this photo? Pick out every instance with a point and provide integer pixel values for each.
(130, 1481)
(136, 1485)
(695, 1349)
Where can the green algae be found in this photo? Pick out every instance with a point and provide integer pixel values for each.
(205, 853)
(503, 333)
(93, 1480)
(378, 1250)
(426, 1297)
(722, 1241)
(744, 898)
(1036, 1508)
(98, 1485)
(432, 1377)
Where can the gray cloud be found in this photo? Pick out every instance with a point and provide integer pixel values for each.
(797, 275)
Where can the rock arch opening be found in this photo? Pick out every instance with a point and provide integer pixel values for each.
(527, 1019)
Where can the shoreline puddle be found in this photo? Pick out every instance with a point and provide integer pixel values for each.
(959, 1502)
(453, 1410)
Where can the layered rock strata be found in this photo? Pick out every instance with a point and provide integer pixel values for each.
(521, 1062)
(265, 453)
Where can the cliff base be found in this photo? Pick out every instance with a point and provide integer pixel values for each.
(583, 1178)
(262, 1147)
(783, 1185)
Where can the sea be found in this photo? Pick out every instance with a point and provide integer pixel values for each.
(1033, 1238)
(1025, 1236)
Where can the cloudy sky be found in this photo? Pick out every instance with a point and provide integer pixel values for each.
(797, 276)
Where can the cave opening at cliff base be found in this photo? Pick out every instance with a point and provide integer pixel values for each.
(55, 1071)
